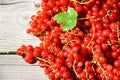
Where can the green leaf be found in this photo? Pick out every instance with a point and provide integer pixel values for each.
(67, 19)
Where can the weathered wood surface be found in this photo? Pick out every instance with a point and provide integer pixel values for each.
(14, 18)
(13, 67)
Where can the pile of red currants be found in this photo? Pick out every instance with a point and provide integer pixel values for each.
(90, 50)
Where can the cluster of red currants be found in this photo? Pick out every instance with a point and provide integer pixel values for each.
(90, 51)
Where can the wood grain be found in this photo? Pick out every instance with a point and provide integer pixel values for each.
(13, 67)
(14, 18)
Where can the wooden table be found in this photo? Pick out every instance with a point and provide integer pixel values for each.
(14, 19)
(13, 67)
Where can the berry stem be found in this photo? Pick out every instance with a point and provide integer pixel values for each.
(40, 33)
(104, 72)
(41, 59)
(108, 13)
(49, 67)
(85, 2)
(44, 43)
(95, 61)
(108, 42)
(67, 44)
(87, 77)
(92, 36)
(51, 43)
(118, 35)
(73, 33)
(75, 70)
(93, 69)
(62, 79)
(82, 2)
(86, 18)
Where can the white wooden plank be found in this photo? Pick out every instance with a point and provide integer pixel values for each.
(13, 60)
(14, 19)
(22, 72)
(12, 67)
(12, 1)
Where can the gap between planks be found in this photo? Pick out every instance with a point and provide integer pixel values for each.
(13, 67)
